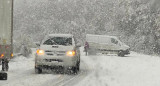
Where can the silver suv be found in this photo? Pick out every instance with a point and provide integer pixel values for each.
(58, 51)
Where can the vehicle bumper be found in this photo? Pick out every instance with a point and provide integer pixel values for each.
(53, 61)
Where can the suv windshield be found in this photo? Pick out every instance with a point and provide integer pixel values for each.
(59, 41)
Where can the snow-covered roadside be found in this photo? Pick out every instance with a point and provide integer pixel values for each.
(21, 73)
(132, 70)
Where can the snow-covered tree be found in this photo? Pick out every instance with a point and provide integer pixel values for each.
(135, 22)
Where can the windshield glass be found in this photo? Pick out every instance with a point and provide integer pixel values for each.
(58, 41)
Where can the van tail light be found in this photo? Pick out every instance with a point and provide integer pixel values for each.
(40, 52)
(70, 53)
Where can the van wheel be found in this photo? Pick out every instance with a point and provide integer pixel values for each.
(121, 53)
(38, 70)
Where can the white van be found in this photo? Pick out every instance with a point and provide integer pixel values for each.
(106, 44)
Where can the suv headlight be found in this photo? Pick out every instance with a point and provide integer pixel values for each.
(40, 52)
(71, 53)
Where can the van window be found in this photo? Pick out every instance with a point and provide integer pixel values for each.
(59, 41)
(114, 41)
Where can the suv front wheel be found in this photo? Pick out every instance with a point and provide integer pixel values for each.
(38, 70)
(76, 68)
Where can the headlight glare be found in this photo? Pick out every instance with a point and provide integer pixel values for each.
(70, 53)
(40, 52)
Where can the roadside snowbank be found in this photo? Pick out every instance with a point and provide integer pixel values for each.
(132, 70)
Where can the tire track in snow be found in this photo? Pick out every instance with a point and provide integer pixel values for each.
(75, 80)
(23, 77)
(70, 80)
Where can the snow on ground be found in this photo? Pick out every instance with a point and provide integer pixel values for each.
(101, 70)
(21, 73)
(132, 70)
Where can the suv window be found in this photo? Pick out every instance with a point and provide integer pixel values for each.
(58, 41)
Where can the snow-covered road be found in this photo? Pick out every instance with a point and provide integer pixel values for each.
(101, 70)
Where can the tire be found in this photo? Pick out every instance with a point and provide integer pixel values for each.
(3, 76)
(38, 70)
(121, 53)
(75, 70)
(78, 66)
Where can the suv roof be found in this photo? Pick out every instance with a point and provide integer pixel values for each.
(60, 35)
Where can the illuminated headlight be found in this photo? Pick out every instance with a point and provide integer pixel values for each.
(40, 52)
(70, 53)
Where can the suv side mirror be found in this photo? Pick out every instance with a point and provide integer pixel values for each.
(78, 45)
(37, 44)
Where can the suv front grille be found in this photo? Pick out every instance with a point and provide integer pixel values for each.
(48, 51)
(55, 53)
(50, 60)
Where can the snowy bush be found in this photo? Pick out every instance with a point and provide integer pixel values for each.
(23, 44)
